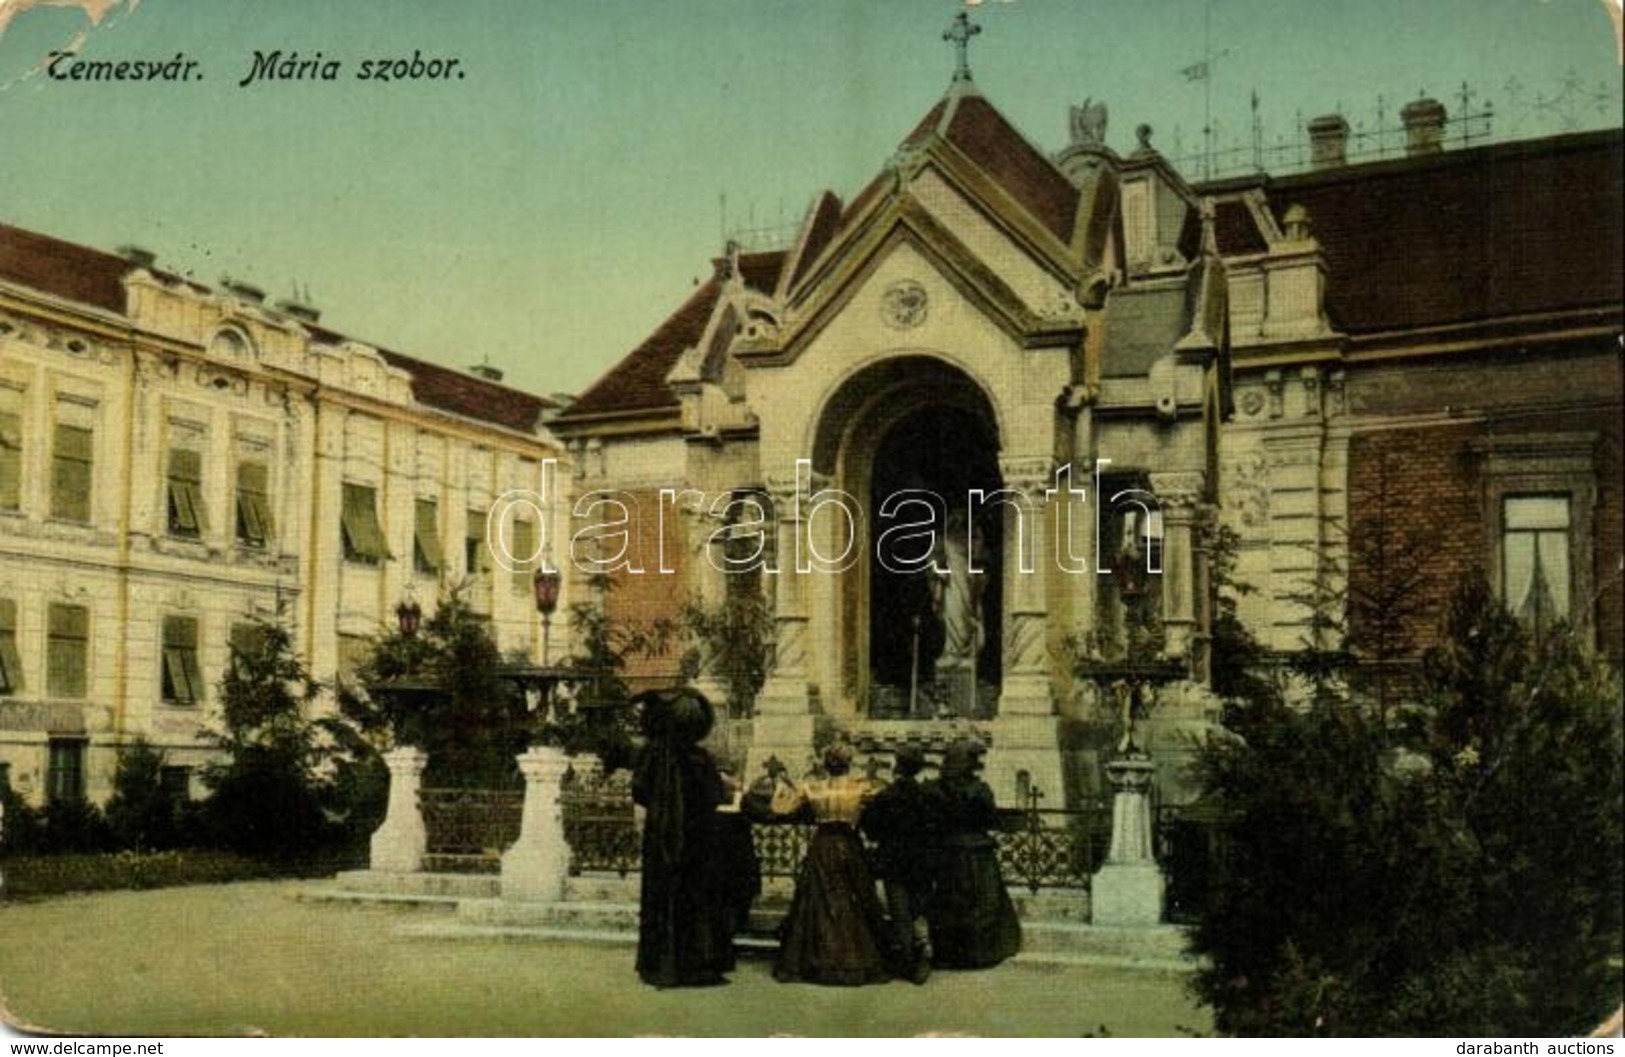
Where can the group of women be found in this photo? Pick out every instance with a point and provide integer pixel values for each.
(946, 904)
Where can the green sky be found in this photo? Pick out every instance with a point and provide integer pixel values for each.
(550, 207)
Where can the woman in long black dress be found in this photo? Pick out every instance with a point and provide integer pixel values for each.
(683, 941)
(973, 922)
(836, 931)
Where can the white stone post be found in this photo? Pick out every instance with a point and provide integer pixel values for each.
(398, 846)
(533, 870)
(1128, 889)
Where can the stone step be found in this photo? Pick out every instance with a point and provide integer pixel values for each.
(1159, 949)
(383, 886)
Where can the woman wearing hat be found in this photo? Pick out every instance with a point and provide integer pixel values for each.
(836, 930)
(684, 940)
(973, 922)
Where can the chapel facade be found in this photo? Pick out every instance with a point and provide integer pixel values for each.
(1084, 373)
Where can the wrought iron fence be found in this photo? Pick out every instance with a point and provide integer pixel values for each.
(1037, 848)
(599, 822)
(468, 829)
(1052, 848)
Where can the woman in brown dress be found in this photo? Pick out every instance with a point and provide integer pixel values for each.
(836, 931)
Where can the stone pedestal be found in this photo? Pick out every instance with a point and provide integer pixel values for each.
(398, 846)
(534, 869)
(1128, 889)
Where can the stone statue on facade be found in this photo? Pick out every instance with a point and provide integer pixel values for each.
(1089, 124)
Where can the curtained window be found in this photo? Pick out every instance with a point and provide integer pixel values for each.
(1537, 584)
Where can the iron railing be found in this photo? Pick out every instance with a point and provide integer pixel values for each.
(1050, 848)
(468, 829)
(599, 823)
(1037, 848)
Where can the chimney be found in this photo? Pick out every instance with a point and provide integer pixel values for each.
(1424, 126)
(486, 371)
(138, 256)
(299, 310)
(1328, 141)
(245, 291)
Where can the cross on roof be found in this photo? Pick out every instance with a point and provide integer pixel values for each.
(960, 33)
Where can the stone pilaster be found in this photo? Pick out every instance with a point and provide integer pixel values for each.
(783, 724)
(1179, 495)
(534, 869)
(1025, 732)
(398, 846)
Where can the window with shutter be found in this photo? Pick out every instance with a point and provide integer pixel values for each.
(187, 515)
(65, 770)
(476, 556)
(72, 468)
(522, 551)
(363, 538)
(426, 549)
(182, 681)
(11, 663)
(67, 649)
(254, 524)
(11, 449)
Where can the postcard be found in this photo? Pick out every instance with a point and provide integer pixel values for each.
(986, 518)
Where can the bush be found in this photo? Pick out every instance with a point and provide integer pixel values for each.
(472, 723)
(141, 814)
(74, 825)
(267, 796)
(36, 876)
(1464, 882)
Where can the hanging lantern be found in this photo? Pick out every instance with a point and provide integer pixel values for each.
(409, 615)
(546, 585)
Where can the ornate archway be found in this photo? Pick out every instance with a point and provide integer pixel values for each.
(912, 424)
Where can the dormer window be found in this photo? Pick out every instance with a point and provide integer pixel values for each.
(231, 344)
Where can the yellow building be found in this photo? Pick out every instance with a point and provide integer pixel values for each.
(176, 461)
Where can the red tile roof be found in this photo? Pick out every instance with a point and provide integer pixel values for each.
(638, 381)
(826, 221)
(1467, 235)
(92, 277)
(62, 269)
(984, 136)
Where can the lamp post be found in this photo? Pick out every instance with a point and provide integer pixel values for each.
(545, 584)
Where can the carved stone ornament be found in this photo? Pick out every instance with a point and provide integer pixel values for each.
(903, 304)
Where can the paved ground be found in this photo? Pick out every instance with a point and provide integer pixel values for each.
(250, 958)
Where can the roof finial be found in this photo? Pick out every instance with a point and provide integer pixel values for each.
(960, 33)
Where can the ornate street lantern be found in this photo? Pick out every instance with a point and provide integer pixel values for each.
(545, 584)
(409, 615)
